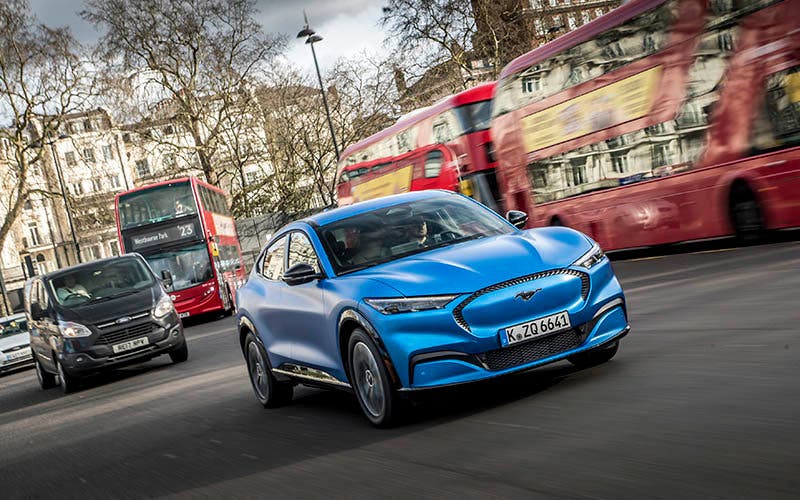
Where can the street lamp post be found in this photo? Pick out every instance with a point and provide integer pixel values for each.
(312, 38)
(66, 201)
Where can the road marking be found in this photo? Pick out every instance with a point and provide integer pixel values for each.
(215, 441)
(210, 334)
(745, 345)
(251, 457)
(170, 455)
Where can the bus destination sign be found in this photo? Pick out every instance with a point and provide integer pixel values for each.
(164, 235)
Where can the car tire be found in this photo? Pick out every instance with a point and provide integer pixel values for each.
(269, 391)
(46, 379)
(180, 354)
(371, 381)
(69, 383)
(594, 357)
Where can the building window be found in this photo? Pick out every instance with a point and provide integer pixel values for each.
(108, 153)
(70, 158)
(661, 155)
(572, 22)
(531, 84)
(28, 206)
(114, 246)
(94, 252)
(168, 130)
(169, 160)
(97, 186)
(142, 168)
(586, 17)
(88, 155)
(113, 180)
(126, 137)
(87, 126)
(76, 188)
(619, 162)
(33, 234)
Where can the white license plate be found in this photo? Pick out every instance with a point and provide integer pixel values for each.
(537, 328)
(22, 353)
(131, 344)
(183, 315)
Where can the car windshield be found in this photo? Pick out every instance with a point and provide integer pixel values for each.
(13, 326)
(156, 204)
(188, 266)
(101, 281)
(405, 229)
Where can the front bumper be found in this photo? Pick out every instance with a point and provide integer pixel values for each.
(464, 342)
(161, 341)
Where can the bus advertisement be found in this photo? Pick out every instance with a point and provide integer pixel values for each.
(184, 230)
(662, 121)
(460, 122)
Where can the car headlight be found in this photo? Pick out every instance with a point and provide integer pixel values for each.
(73, 330)
(412, 304)
(164, 307)
(590, 258)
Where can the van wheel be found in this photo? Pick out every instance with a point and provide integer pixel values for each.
(69, 383)
(270, 392)
(46, 380)
(746, 216)
(179, 354)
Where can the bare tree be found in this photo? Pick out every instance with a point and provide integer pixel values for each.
(191, 53)
(42, 78)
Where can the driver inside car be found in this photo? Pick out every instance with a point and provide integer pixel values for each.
(70, 288)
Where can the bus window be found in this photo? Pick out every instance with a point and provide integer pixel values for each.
(433, 164)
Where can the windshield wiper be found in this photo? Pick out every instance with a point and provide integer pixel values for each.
(116, 295)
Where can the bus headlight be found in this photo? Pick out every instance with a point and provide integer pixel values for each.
(163, 307)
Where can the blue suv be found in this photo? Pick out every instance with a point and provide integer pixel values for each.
(419, 291)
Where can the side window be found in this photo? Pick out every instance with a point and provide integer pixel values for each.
(272, 265)
(433, 164)
(43, 300)
(778, 123)
(301, 251)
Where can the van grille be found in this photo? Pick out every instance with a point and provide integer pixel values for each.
(131, 332)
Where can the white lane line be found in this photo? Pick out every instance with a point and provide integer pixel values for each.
(210, 334)
(745, 345)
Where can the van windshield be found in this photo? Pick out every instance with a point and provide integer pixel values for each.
(101, 281)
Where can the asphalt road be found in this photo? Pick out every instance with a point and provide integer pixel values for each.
(702, 401)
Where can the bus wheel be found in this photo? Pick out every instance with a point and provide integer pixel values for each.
(745, 212)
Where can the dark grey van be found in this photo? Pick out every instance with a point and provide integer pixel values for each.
(98, 315)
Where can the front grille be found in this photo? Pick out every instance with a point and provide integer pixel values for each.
(131, 332)
(458, 314)
(508, 357)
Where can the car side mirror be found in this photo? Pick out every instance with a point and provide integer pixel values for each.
(299, 274)
(518, 218)
(166, 278)
(37, 313)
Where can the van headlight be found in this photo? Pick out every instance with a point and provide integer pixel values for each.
(73, 330)
(409, 304)
(590, 258)
(163, 307)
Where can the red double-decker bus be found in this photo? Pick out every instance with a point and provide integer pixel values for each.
(185, 231)
(460, 121)
(662, 121)
(429, 167)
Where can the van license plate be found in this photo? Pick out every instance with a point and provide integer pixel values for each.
(131, 344)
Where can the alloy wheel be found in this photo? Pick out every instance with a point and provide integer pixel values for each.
(258, 371)
(368, 381)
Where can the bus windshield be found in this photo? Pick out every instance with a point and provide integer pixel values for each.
(156, 204)
(189, 266)
(476, 116)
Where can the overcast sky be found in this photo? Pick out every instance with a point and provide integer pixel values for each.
(347, 26)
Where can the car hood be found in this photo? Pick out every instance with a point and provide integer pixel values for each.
(110, 310)
(14, 340)
(470, 266)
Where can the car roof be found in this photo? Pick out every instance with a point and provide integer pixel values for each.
(64, 270)
(326, 217)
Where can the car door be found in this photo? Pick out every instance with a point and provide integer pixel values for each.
(41, 329)
(303, 308)
(267, 288)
